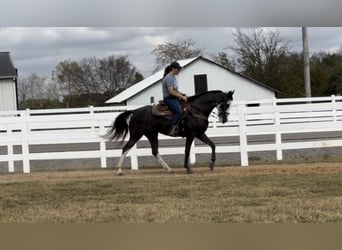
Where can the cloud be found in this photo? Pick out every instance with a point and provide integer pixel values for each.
(40, 49)
(175, 13)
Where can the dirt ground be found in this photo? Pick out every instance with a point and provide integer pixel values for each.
(90, 174)
(282, 193)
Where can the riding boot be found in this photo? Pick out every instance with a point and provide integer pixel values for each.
(174, 131)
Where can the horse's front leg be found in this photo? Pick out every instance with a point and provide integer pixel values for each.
(204, 138)
(188, 143)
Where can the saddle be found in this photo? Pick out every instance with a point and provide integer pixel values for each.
(161, 109)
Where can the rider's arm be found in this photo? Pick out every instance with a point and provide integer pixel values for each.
(176, 93)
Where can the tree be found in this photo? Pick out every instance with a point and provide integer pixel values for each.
(320, 75)
(68, 75)
(36, 91)
(265, 57)
(30, 88)
(89, 82)
(169, 52)
(116, 74)
(330, 66)
(259, 52)
(222, 58)
(23, 89)
(93, 80)
(290, 78)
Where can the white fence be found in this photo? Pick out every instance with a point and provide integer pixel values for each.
(276, 117)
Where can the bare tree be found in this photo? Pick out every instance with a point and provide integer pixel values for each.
(31, 87)
(93, 77)
(116, 74)
(23, 89)
(68, 75)
(89, 82)
(222, 58)
(35, 91)
(169, 52)
(259, 52)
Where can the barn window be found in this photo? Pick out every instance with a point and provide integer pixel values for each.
(201, 84)
(152, 99)
(253, 105)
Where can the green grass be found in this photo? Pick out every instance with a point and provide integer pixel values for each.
(301, 193)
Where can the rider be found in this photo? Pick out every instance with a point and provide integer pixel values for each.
(172, 95)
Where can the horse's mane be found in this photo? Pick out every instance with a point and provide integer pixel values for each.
(194, 97)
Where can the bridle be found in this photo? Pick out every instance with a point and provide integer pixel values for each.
(222, 111)
(222, 108)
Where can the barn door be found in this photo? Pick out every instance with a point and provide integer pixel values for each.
(201, 84)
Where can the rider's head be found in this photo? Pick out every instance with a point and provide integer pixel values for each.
(174, 67)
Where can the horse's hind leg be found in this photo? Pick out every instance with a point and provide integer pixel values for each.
(152, 136)
(132, 140)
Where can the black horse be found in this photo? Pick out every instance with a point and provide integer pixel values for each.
(194, 124)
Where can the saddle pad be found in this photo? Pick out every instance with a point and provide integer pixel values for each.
(161, 110)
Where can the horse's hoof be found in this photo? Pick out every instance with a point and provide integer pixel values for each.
(189, 171)
(119, 174)
(211, 166)
(170, 171)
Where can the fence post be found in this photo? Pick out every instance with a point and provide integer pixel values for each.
(278, 137)
(103, 146)
(334, 113)
(243, 135)
(10, 152)
(193, 153)
(134, 157)
(92, 118)
(274, 101)
(24, 141)
(279, 152)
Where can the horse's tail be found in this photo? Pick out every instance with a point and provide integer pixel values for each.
(120, 127)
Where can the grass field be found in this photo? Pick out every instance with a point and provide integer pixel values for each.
(266, 193)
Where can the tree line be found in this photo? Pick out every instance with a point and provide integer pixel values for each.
(262, 55)
(90, 81)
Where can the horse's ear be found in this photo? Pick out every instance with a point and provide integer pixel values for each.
(230, 93)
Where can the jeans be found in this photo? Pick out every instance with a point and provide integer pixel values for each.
(175, 106)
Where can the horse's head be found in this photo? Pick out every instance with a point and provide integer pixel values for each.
(223, 105)
(207, 101)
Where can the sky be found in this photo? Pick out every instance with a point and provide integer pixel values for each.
(41, 33)
(39, 49)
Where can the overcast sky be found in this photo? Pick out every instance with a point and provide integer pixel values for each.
(39, 50)
(116, 27)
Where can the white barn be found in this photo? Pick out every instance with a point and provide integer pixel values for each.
(8, 83)
(198, 74)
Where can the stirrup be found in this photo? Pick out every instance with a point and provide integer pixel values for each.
(174, 131)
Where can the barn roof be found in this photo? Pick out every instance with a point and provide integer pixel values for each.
(149, 81)
(7, 69)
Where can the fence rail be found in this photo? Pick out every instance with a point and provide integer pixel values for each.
(276, 117)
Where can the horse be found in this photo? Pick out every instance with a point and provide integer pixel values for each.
(193, 125)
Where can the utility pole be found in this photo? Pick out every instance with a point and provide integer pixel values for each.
(306, 62)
